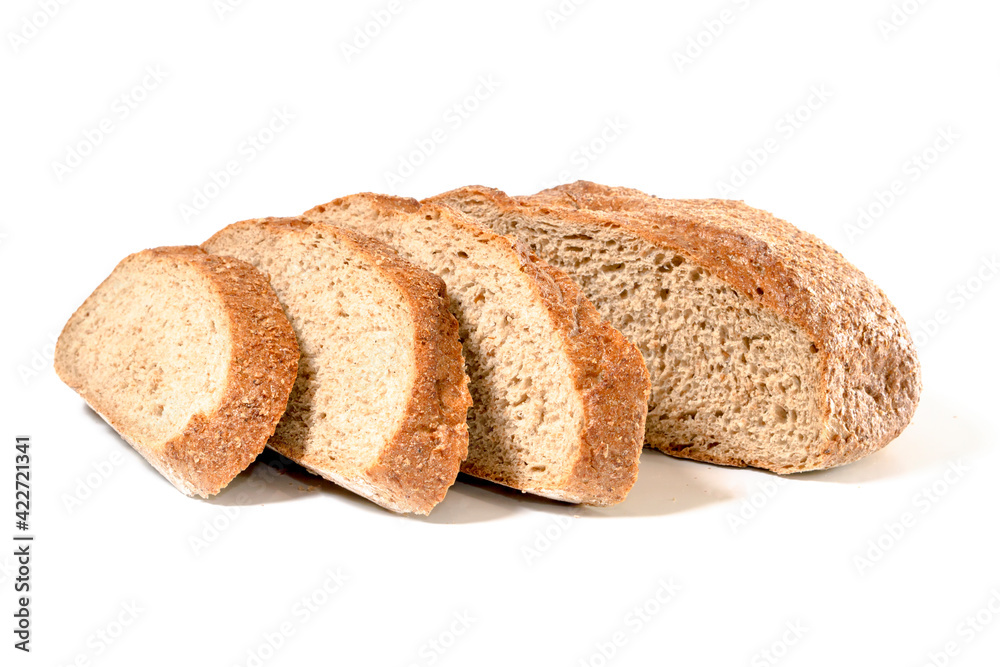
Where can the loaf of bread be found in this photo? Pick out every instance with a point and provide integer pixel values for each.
(559, 396)
(380, 402)
(765, 346)
(189, 357)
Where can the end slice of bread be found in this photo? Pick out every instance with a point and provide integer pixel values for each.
(559, 396)
(380, 403)
(765, 346)
(189, 357)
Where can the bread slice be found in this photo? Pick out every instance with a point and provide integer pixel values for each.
(380, 402)
(766, 348)
(559, 397)
(189, 357)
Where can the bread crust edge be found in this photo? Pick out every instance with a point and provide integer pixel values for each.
(609, 375)
(420, 460)
(861, 338)
(213, 449)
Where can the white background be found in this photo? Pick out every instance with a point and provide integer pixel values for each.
(750, 555)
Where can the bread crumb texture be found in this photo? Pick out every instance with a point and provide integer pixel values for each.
(765, 347)
(189, 357)
(380, 402)
(559, 396)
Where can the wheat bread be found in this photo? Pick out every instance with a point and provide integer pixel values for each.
(559, 396)
(379, 406)
(189, 357)
(766, 347)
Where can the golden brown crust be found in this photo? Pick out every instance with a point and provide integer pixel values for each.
(871, 376)
(262, 371)
(421, 460)
(613, 382)
(213, 449)
(608, 371)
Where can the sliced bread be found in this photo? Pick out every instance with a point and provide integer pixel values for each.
(380, 402)
(765, 346)
(559, 396)
(189, 357)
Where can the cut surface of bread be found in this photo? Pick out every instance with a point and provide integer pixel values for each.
(189, 357)
(559, 396)
(766, 348)
(380, 403)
